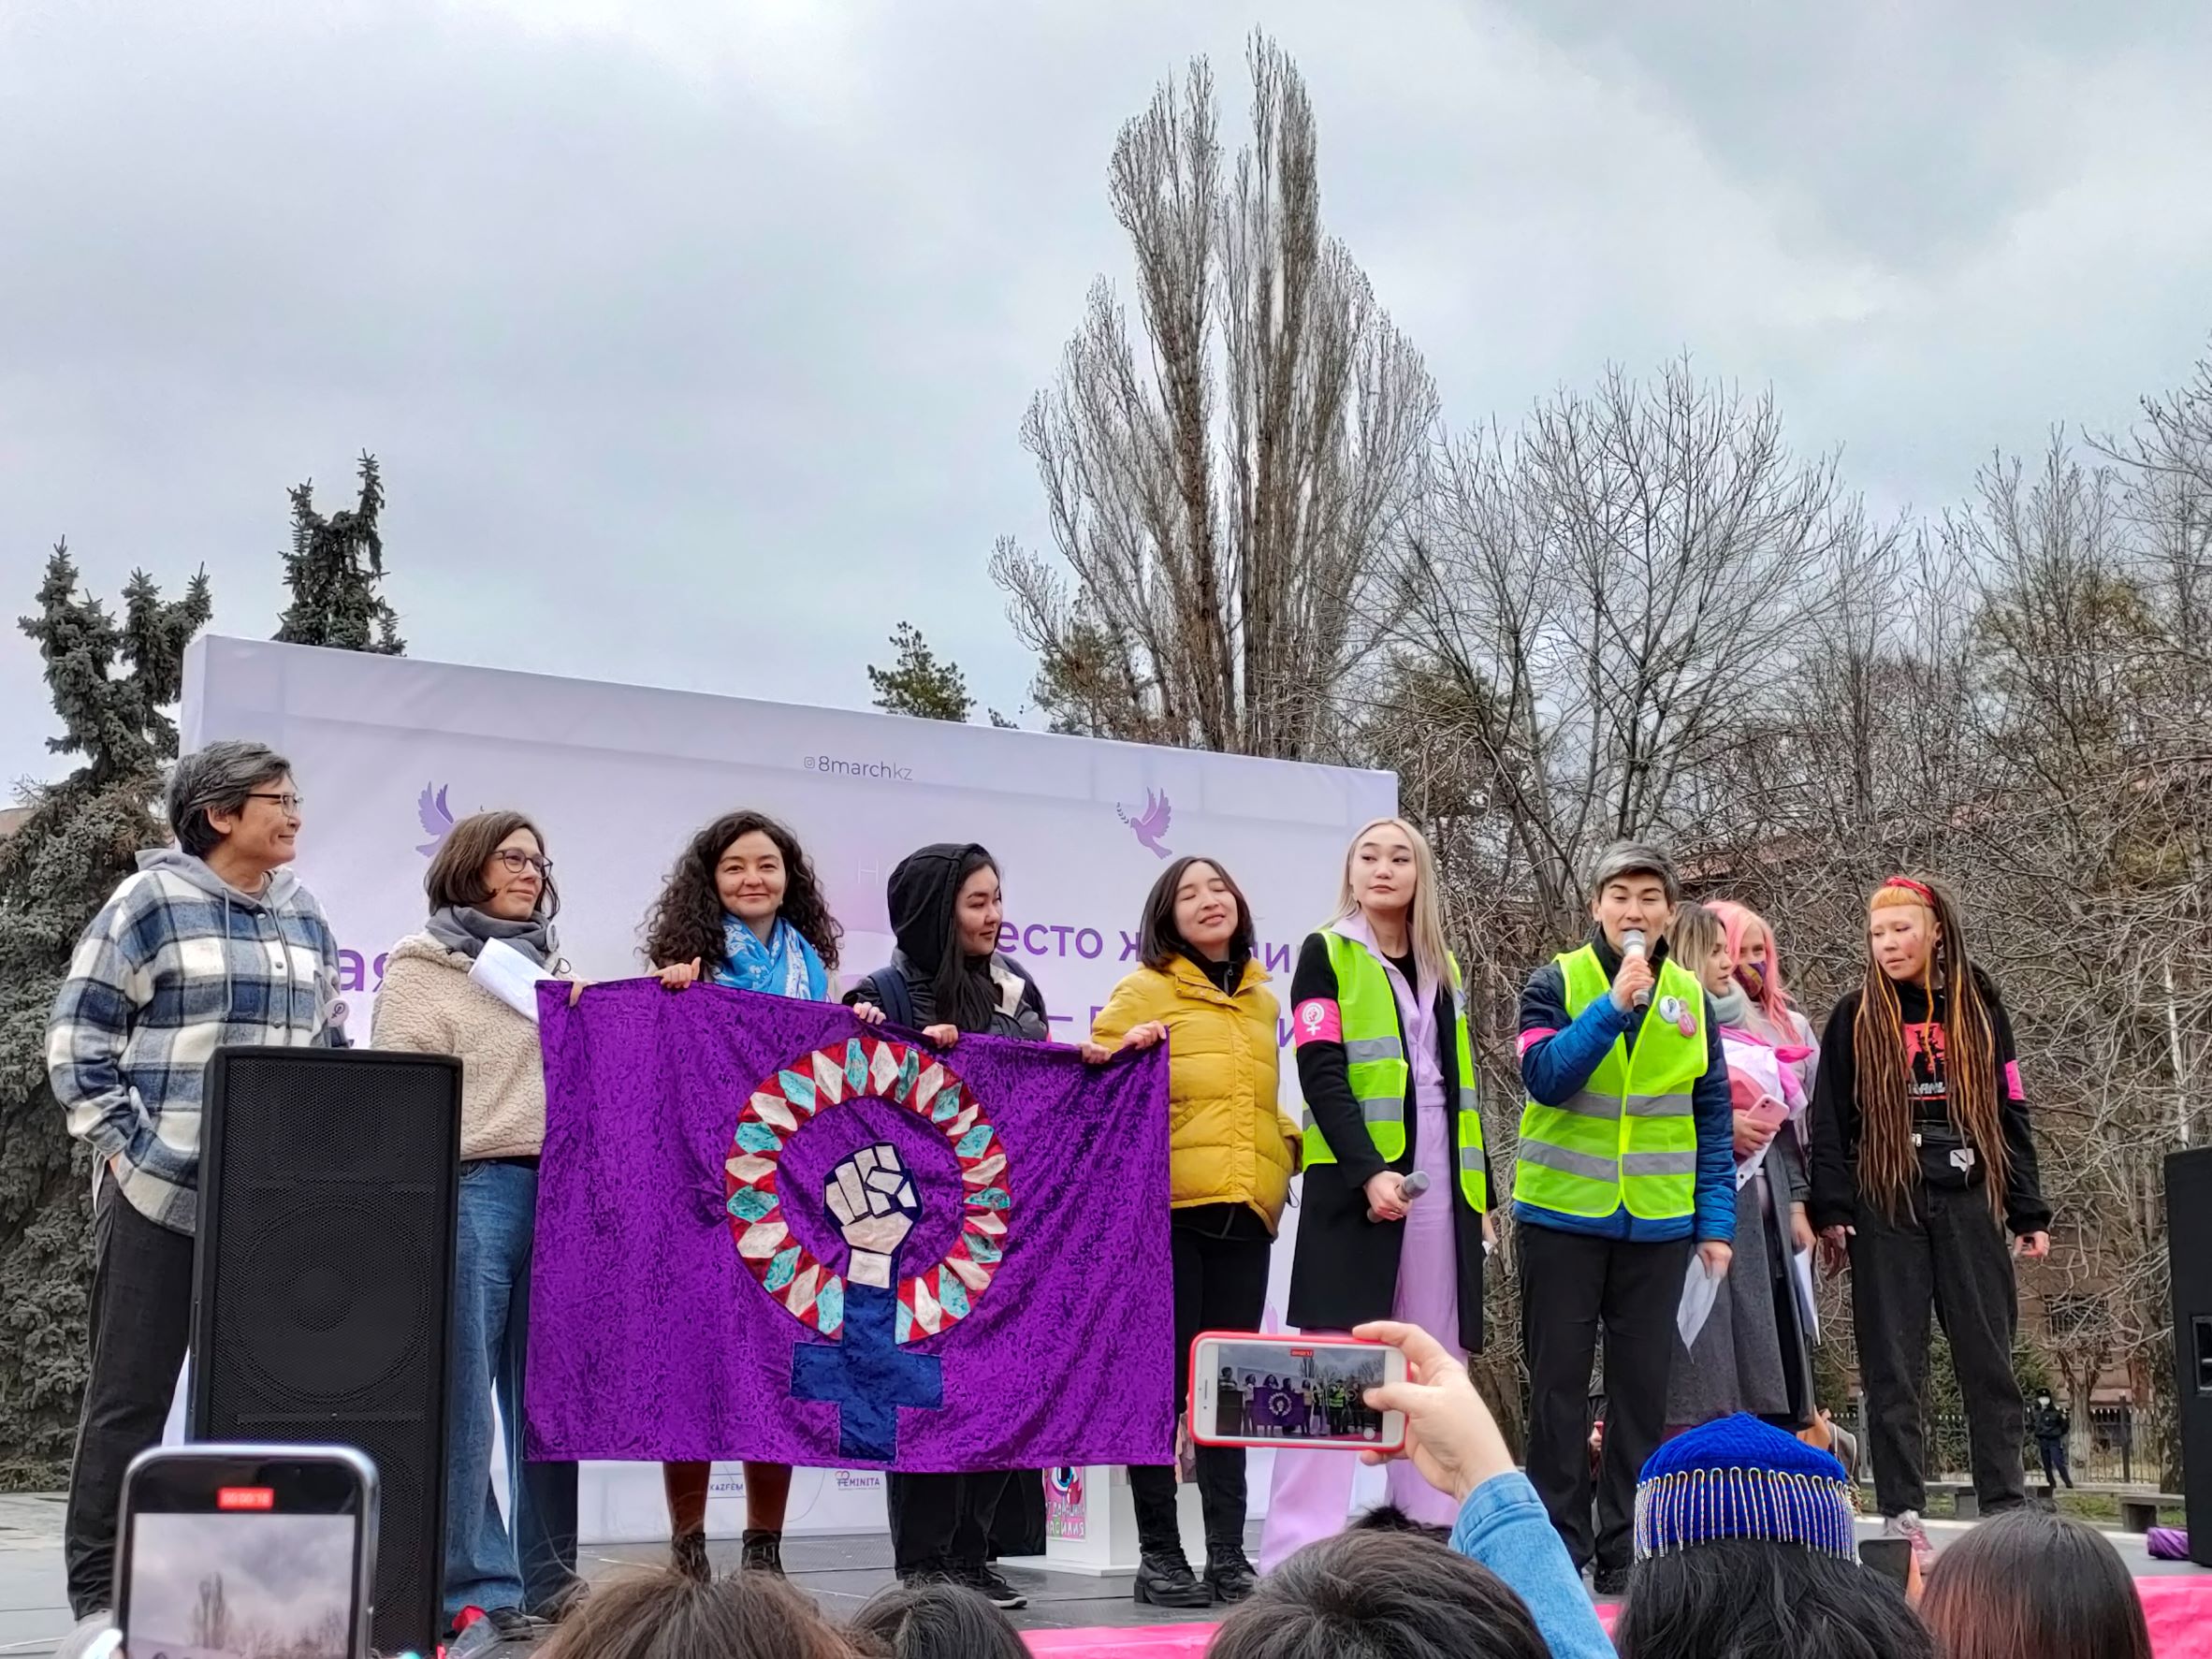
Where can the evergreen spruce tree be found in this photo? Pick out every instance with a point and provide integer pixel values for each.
(334, 569)
(917, 683)
(113, 677)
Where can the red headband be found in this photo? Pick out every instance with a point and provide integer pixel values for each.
(1911, 886)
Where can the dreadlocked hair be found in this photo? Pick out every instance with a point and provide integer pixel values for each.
(1888, 1163)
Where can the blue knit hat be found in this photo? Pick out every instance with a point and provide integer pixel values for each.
(1743, 1478)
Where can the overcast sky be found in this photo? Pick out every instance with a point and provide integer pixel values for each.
(282, 1575)
(694, 335)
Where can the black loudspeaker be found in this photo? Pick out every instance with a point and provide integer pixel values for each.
(323, 1284)
(2188, 1248)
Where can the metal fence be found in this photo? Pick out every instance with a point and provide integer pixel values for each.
(2103, 1449)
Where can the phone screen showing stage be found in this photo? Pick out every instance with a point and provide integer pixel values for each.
(241, 1584)
(1268, 1391)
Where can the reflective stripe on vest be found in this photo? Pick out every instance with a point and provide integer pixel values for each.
(1629, 1138)
(1375, 1061)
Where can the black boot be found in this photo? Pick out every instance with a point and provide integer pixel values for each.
(764, 1552)
(1164, 1579)
(689, 1550)
(1230, 1577)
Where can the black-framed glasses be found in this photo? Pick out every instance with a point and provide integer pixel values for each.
(289, 803)
(514, 861)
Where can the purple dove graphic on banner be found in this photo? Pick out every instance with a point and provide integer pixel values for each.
(1151, 823)
(433, 814)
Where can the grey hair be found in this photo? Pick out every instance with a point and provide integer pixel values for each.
(1634, 858)
(217, 778)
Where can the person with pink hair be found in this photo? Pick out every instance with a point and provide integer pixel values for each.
(1773, 1020)
(1752, 1351)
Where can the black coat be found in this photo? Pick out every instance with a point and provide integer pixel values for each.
(1345, 1271)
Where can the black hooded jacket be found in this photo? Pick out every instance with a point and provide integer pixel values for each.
(996, 997)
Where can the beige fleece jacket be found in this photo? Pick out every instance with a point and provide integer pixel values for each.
(429, 1006)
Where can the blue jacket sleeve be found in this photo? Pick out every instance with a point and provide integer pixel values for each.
(1557, 1053)
(1716, 1139)
(1503, 1526)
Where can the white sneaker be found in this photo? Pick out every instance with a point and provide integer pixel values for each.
(1907, 1526)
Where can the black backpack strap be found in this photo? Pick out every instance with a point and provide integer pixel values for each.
(894, 997)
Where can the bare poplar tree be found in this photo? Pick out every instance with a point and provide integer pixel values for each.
(1589, 619)
(1220, 499)
(1606, 588)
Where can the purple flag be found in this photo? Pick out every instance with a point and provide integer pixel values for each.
(765, 1230)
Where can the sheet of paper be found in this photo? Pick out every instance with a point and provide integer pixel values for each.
(1802, 1277)
(1699, 1292)
(510, 976)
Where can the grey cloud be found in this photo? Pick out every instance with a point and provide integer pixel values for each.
(668, 317)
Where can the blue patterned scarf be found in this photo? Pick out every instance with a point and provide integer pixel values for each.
(786, 965)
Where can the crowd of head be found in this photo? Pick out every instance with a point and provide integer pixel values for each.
(1745, 1548)
(2029, 1585)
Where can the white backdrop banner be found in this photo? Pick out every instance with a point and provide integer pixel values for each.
(389, 751)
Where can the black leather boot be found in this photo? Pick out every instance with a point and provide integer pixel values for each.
(764, 1552)
(1229, 1575)
(689, 1550)
(1164, 1579)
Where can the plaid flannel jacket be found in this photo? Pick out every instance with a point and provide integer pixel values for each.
(177, 964)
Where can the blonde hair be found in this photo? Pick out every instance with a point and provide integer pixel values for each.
(1690, 936)
(1425, 917)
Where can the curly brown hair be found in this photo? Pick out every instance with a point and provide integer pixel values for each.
(685, 923)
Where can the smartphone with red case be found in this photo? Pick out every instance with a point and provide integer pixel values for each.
(1307, 1391)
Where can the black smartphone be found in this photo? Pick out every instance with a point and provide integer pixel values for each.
(1890, 1557)
(229, 1549)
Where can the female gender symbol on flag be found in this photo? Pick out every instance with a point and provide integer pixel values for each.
(873, 1199)
(865, 1374)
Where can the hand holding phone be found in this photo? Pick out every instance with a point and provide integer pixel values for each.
(232, 1549)
(1450, 1434)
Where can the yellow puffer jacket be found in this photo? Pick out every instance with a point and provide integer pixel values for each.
(1230, 1142)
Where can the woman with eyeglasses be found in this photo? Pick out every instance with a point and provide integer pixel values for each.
(742, 909)
(490, 882)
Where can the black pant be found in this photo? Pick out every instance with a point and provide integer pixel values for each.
(941, 1524)
(139, 1323)
(1019, 1527)
(1220, 1254)
(2054, 1463)
(1946, 1251)
(1569, 1285)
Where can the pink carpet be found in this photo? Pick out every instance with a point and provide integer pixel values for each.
(2179, 1610)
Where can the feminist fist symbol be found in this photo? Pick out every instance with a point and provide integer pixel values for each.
(875, 1205)
(868, 1376)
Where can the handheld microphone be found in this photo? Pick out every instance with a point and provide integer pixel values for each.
(1416, 1184)
(1632, 944)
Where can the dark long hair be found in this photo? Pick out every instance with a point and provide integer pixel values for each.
(686, 921)
(963, 996)
(2030, 1585)
(1160, 941)
(1888, 1165)
(664, 1615)
(1380, 1594)
(1752, 1599)
(456, 876)
(936, 1622)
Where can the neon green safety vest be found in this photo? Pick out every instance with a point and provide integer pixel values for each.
(1629, 1137)
(1374, 1055)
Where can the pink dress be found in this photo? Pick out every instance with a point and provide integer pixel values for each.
(1310, 1498)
